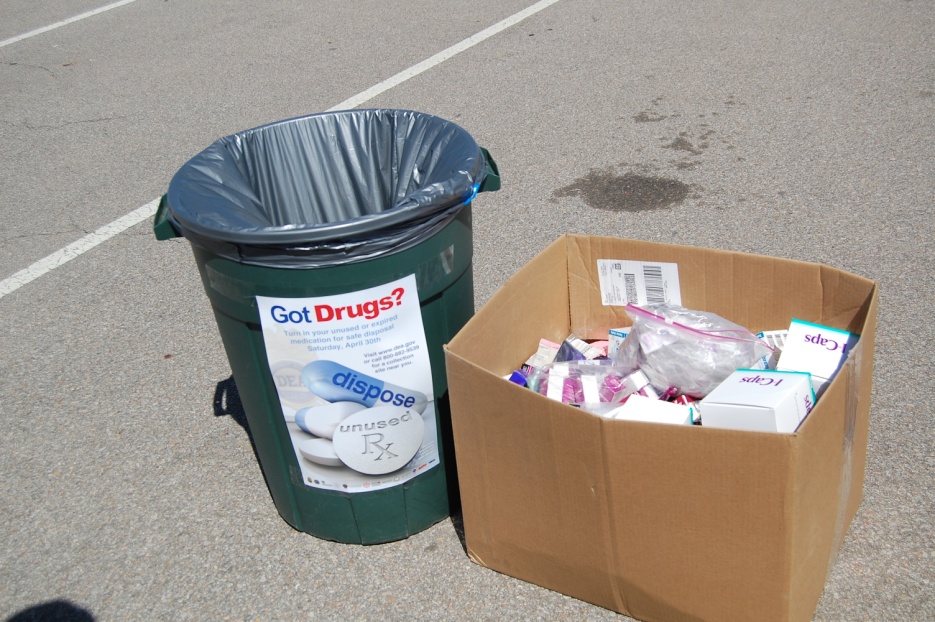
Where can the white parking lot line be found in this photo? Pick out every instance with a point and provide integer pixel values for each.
(64, 22)
(60, 257)
(77, 248)
(442, 56)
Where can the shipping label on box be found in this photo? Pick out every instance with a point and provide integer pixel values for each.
(759, 401)
(638, 282)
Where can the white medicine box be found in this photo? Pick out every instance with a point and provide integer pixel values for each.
(640, 408)
(819, 350)
(760, 401)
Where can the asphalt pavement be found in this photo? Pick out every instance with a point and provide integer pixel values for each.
(792, 129)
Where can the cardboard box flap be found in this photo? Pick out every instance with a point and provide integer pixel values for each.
(858, 399)
(759, 293)
(846, 300)
(721, 499)
(556, 520)
(533, 304)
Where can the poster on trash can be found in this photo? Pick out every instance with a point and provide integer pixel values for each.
(355, 384)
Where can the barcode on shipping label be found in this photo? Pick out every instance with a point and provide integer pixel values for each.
(639, 282)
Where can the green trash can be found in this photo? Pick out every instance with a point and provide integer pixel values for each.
(336, 252)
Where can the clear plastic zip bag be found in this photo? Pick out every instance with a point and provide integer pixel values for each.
(686, 352)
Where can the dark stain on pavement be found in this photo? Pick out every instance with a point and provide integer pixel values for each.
(606, 190)
(647, 116)
(683, 144)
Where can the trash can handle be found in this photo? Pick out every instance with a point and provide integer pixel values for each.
(492, 180)
(162, 226)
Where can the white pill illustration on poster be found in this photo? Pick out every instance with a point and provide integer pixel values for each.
(354, 380)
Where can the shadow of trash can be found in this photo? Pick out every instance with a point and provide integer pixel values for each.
(336, 252)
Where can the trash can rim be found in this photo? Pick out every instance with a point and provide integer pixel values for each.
(181, 191)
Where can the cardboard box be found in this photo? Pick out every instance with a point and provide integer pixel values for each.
(658, 522)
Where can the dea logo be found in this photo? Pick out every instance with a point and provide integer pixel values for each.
(379, 440)
(288, 378)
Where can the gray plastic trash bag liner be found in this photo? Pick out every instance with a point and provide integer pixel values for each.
(326, 189)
